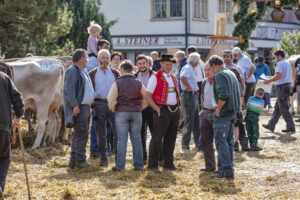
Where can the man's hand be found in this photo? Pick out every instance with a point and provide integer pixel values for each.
(76, 111)
(157, 109)
(218, 112)
(266, 82)
(293, 85)
(191, 90)
(17, 122)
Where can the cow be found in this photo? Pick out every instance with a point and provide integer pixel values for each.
(40, 80)
(292, 61)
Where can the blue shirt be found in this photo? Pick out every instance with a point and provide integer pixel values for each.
(103, 83)
(255, 105)
(245, 63)
(261, 68)
(189, 73)
(92, 63)
(88, 96)
(285, 69)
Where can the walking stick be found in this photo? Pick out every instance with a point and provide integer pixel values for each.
(23, 155)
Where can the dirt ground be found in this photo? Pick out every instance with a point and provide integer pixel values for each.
(273, 173)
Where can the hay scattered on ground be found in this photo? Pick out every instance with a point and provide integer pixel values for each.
(273, 173)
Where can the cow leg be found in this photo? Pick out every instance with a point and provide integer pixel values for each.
(27, 116)
(292, 109)
(42, 116)
(48, 131)
(57, 126)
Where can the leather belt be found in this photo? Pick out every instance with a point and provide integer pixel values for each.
(209, 110)
(171, 108)
(101, 100)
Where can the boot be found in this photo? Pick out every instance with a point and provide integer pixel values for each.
(83, 164)
(236, 146)
(256, 148)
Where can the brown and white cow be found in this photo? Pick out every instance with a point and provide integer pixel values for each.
(292, 61)
(40, 80)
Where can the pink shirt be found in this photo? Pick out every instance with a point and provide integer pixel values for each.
(92, 45)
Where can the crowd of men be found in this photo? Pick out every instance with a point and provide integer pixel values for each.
(205, 99)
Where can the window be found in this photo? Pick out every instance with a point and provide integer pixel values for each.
(160, 8)
(200, 9)
(224, 6)
(166, 9)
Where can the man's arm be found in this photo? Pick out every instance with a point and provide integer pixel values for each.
(70, 92)
(16, 99)
(112, 97)
(274, 78)
(251, 71)
(221, 103)
(186, 83)
(150, 101)
(144, 102)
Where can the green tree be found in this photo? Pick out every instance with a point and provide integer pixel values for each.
(32, 26)
(85, 11)
(290, 43)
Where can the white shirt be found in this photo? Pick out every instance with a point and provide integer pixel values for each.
(199, 71)
(245, 63)
(88, 96)
(209, 101)
(285, 69)
(172, 96)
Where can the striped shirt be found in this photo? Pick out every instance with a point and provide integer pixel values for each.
(255, 105)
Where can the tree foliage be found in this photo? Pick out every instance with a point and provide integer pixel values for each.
(30, 25)
(290, 43)
(85, 11)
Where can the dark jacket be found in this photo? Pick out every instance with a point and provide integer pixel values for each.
(156, 66)
(9, 96)
(129, 94)
(73, 92)
(181, 65)
(226, 88)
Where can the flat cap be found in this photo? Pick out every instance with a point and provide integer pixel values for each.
(227, 52)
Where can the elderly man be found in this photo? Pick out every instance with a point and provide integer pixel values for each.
(181, 61)
(189, 97)
(156, 64)
(239, 128)
(249, 68)
(144, 75)
(227, 95)
(10, 98)
(126, 98)
(206, 119)
(163, 96)
(78, 96)
(102, 78)
(282, 80)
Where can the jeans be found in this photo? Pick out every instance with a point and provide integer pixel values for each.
(268, 99)
(223, 134)
(129, 122)
(191, 115)
(93, 138)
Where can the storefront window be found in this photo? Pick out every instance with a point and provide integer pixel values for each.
(167, 9)
(200, 9)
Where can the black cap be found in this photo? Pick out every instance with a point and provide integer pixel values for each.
(168, 58)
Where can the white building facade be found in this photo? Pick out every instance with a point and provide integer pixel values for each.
(147, 25)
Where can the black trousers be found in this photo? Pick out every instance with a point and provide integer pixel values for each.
(165, 133)
(81, 134)
(282, 107)
(242, 132)
(5, 140)
(147, 121)
(102, 116)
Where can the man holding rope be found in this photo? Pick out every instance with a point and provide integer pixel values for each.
(10, 97)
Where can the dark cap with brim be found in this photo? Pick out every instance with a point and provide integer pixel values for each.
(167, 58)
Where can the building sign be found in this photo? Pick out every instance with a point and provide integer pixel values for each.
(150, 42)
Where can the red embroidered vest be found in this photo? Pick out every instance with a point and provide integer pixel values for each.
(160, 94)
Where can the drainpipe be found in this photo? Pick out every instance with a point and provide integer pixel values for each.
(186, 22)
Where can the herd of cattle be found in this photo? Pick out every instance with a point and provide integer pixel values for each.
(40, 80)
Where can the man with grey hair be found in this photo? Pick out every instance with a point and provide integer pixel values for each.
(189, 97)
(249, 68)
(181, 61)
(103, 78)
(156, 63)
(78, 96)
